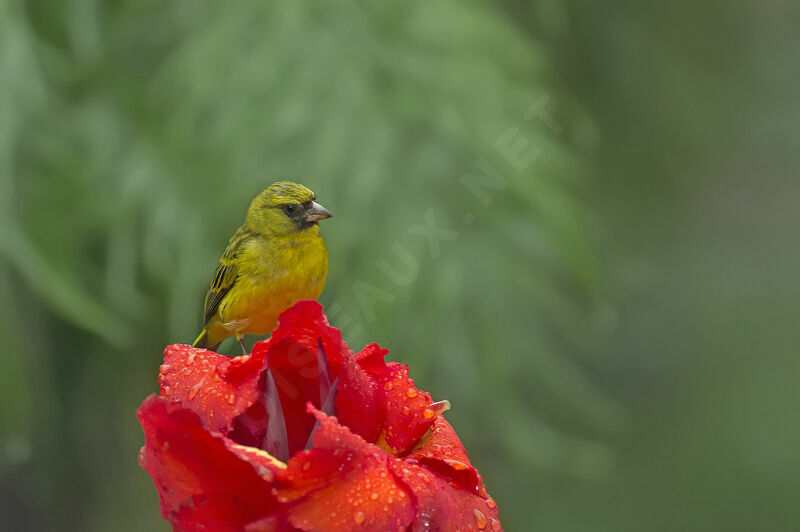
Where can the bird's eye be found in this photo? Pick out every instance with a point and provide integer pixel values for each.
(290, 209)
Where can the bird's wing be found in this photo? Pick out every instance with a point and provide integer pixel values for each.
(226, 274)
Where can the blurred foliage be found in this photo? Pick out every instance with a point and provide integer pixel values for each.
(134, 134)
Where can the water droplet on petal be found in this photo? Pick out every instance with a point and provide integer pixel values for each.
(374, 496)
(306, 465)
(231, 399)
(490, 503)
(495, 524)
(387, 386)
(411, 392)
(428, 413)
(480, 518)
(456, 464)
(359, 517)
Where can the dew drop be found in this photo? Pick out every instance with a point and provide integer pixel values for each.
(231, 399)
(406, 410)
(374, 496)
(480, 518)
(495, 524)
(411, 392)
(428, 413)
(490, 503)
(359, 517)
(306, 465)
(456, 464)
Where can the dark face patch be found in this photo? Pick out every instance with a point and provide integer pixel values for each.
(298, 212)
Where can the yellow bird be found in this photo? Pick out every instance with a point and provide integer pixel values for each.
(275, 259)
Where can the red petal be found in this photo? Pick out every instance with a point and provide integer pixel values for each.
(342, 484)
(305, 324)
(249, 427)
(294, 368)
(186, 461)
(443, 452)
(272, 523)
(357, 400)
(442, 506)
(216, 387)
(371, 359)
(291, 353)
(405, 406)
(213, 513)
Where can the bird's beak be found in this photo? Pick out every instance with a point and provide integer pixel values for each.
(317, 212)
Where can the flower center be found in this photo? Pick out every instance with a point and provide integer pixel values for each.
(276, 438)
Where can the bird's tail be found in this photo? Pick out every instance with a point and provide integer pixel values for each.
(203, 341)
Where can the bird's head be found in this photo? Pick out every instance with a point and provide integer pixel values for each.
(285, 208)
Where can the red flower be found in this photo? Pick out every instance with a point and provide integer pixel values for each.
(251, 443)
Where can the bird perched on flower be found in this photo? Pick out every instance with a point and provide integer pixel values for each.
(275, 259)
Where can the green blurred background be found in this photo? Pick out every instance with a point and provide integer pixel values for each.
(616, 328)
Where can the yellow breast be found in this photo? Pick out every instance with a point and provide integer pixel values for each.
(280, 274)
